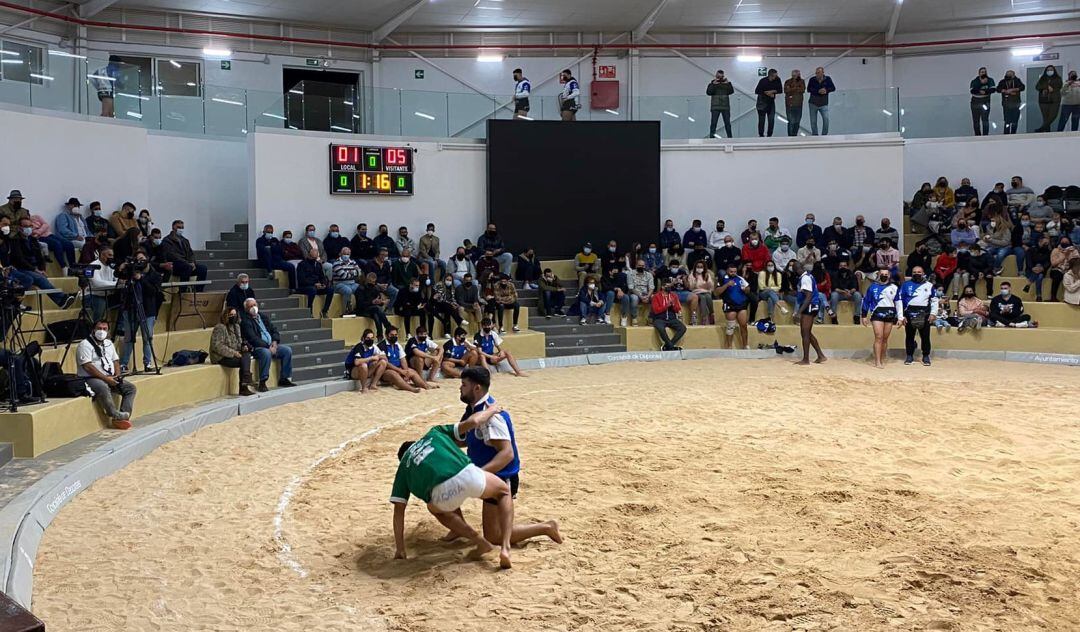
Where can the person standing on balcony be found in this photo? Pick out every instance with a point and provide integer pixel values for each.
(720, 89)
(819, 87)
(1070, 103)
(522, 90)
(766, 92)
(1011, 88)
(794, 91)
(1049, 87)
(982, 87)
(569, 99)
(106, 82)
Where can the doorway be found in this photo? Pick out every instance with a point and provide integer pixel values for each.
(322, 100)
(1034, 115)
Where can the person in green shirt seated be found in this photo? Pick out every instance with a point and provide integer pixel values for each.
(435, 470)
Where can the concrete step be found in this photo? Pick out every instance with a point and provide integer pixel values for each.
(7, 452)
(560, 329)
(305, 360)
(230, 253)
(300, 335)
(298, 324)
(240, 228)
(258, 283)
(332, 347)
(288, 314)
(285, 302)
(583, 340)
(231, 264)
(230, 274)
(221, 245)
(272, 293)
(319, 372)
(235, 236)
(553, 352)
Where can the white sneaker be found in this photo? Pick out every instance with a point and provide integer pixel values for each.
(584, 322)
(622, 321)
(464, 323)
(607, 319)
(516, 329)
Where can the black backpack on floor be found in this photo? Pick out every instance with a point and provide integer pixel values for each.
(61, 386)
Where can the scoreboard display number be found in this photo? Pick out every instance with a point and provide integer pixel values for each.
(356, 170)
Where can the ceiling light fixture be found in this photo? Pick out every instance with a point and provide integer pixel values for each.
(492, 58)
(217, 52)
(424, 116)
(749, 57)
(1026, 51)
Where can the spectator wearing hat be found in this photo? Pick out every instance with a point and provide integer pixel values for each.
(70, 225)
(14, 210)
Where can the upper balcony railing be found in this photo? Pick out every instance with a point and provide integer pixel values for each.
(56, 80)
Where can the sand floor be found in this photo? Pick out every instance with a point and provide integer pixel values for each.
(705, 495)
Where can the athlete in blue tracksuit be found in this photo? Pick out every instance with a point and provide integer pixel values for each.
(458, 354)
(883, 308)
(808, 303)
(920, 304)
(494, 449)
(365, 363)
(522, 90)
(570, 97)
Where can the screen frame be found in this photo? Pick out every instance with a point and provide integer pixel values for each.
(408, 170)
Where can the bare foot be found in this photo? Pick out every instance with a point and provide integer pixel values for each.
(373, 388)
(432, 384)
(363, 390)
(802, 363)
(553, 532)
(449, 537)
(879, 366)
(821, 360)
(504, 558)
(483, 548)
(414, 390)
(522, 374)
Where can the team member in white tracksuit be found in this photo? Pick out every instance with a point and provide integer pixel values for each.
(522, 90)
(570, 98)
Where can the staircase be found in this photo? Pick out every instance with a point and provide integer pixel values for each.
(7, 452)
(565, 335)
(316, 355)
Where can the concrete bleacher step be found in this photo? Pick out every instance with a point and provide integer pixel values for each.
(7, 452)
(229, 274)
(554, 352)
(289, 313)
(320, 372)
(238, 263)
(565, 335)
(232, 246)
(312, 334)
(583, 339)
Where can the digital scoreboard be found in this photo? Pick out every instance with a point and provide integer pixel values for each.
(358, 170)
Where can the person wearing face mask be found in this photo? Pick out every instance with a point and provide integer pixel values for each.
(429, 253)
(403, 240)
(833, 256)
(290, 250)
(404, 270)
(99, 365)
(887, 257)
(965, 192)
(467, 295)
(1010, 89)
(820, 87)
(694, 235)
(123, 219)
(1070, 103)
(371, 303)
(334, 242)
(717, 237)
(1061, 258)
(1019, 195)
(919, 303)
(458, 354)
(265, 342)
(611, 258)
(946, 196)
(528, 269)
(767, 88)
(1007, 310)
(363, 248)
(794, 92)
(142, 301)
(14, 209)
(1049, 87)
(63, 251)
(963, 233)
(487, 266)
(410, 302)
(836, 232)
(808, 255)
(423, 353)
(641, 283)
(24, 253)
(982, 87)
(125, 245)
(971, 312)
(882, 308)
(70, 225)
(1040, 210)
(491, 240)
(311, 281)
(996, 195)
(946, 273)
(177, 255)
(774, 234)
(664, 310)
(365, 363)
(701, 283)
(720, 91)
(311, 247)
(980, 267)
(920, 257)
(384, 240)
(240, 292)
(699, 253)
(1038, 259)
(444, 306)
(345, 279)
(506, 299)
(728, 255)
(552, 295)
(783, 255)
(488, 346)
(586, 263)
(228, 349)
(590, 302)
(271, 252)
(770, 286)
(669, 236)
(887, 232)
(733, 290)
(460, 265)
(653, 258)
(397, 373)
(145, 223)
(845, 287)
(860, 235)
(755, 253)
(1071, 281)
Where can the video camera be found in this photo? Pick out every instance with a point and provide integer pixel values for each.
(129, 267)
(11, 291)
(83, 271)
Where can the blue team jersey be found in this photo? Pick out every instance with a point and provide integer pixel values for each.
(881, 295)
(735, 295)
(815, 298)
(454, 350)
(359, 351)
(500, 428)
(394, 353)
(487, 342)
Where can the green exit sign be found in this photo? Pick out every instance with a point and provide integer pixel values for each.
(418, 74)
(226, 64)
(762, 71)
(313, 62)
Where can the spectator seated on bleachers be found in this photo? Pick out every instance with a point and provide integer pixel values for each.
(363, 248)
(227, 348)
(384, 240)
(271, 253)
(96, 221)
(665, 309)
(14, 210)
(1018, 195)
(528, 269)
(444, 306)
(381, 267)
(346, 275)
(70, 224)
(809, 230)
(971, 311)
(1071, 281)
(488, 265)
(63, 251)
(178, 258)
(334, 242)
(239, 293)
(491, 240)
(1007, 309)
(123, 219)
(102, 296)
(152, 247)
(428, 251)
(467, 295)
(887, 232)
(311, 281)
(371, 303)
(24, 255)
(403, 270)
(265, 342)
(100, 366)
(125, 245)
(460, 265)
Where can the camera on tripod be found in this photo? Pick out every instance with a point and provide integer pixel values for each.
(84, 272)
(11, 292)
(129, 267)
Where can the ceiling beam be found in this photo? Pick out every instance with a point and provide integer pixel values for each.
(894, 20)
(643, 29)
(94, 7)
(391, 25)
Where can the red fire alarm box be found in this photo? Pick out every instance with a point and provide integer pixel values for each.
(607, 72)
(605, 95)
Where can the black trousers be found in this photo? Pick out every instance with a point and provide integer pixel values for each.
(243, 363)
(980, 118)
(767, 115)
(924, 336)
(1056, 277)
(716, 114)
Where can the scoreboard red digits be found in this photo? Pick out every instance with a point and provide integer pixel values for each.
(356, 170)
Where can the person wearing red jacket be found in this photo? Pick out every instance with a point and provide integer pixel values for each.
(665, 309)
(945, 271)
(756, 253)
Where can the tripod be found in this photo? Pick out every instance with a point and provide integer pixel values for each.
(14, 344)
(132, 307)
(84, 322)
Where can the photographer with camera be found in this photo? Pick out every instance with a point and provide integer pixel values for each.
(141, 298)
(100, 366)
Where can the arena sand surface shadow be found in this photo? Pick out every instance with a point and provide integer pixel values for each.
(703, 495)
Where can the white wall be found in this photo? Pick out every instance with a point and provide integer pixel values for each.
(290, 184)
(786, 179)
(51, 157)
(1041, 160)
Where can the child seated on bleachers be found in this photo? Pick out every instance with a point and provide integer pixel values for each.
(941, 318)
